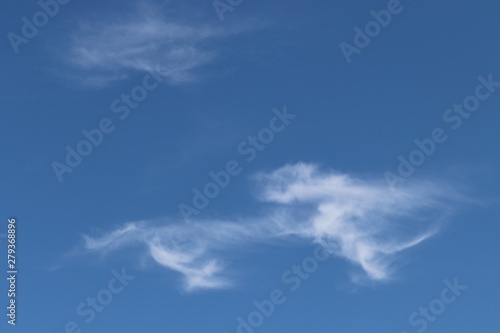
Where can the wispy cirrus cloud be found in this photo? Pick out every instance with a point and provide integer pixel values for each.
(108, 50)
(359, 220)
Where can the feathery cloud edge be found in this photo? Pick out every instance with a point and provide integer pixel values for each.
(361, 221)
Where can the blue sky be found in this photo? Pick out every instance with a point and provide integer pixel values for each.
(216, 164)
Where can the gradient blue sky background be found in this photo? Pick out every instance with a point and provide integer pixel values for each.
(226, 78)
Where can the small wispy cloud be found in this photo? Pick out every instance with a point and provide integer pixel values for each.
(359, 220)
(192, 250)
(108, 50)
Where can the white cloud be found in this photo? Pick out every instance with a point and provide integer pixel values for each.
(362, 221)
(108, 50)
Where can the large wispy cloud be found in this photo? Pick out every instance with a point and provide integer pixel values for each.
(360, 220)
(109, 49)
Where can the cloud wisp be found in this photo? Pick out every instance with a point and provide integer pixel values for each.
(359, 220)
(108, 50)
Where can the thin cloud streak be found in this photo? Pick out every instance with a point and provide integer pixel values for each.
(361, 221)
(109, 50)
